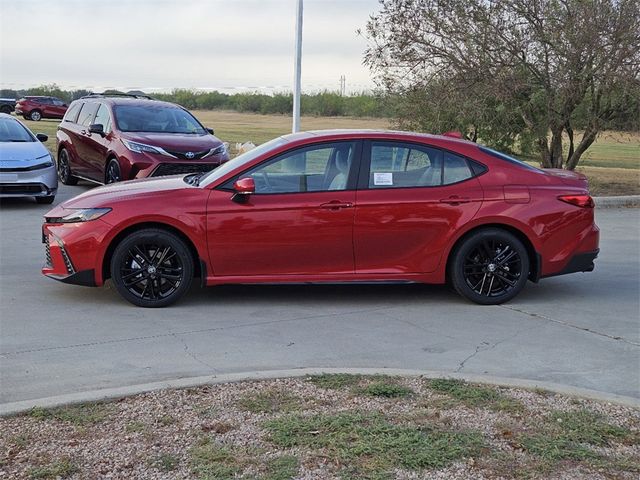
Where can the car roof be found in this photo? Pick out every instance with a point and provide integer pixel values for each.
(373, 133)
(126, 101)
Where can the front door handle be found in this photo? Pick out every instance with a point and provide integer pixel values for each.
(336, 205)
(455, 200)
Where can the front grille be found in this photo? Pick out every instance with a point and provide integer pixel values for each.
(47, 252)
(180, 168)
(182, 155)
(21, 188)
(27, 169)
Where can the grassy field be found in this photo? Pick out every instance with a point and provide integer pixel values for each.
(612, 163)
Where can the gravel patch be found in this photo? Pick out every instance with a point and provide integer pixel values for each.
(189, 433)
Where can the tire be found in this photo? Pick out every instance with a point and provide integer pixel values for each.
(112, 172)
(489, 267)
(35, 115)
(64, 169)
(45, 200)
(152, 258)
(6, 109)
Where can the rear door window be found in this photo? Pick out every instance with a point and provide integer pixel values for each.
(397, 165)
(72, 113)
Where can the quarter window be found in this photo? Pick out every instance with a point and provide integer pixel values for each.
(72, 114)
(456, 169)
(313, 169)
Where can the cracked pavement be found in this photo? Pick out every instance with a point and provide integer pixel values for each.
(580, 330)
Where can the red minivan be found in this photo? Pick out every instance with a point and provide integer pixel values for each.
(36, 108)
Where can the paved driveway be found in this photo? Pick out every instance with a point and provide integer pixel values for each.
(580, 330)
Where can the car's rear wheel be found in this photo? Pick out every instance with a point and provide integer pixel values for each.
(35, 115)
(490, 267)
(152, 268)
(112, 173)
(45, 200)
(64, 169)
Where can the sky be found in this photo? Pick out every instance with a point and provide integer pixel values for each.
(157, 45)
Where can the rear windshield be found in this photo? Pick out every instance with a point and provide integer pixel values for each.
(507, 158)
(156, 119)
(13, 131)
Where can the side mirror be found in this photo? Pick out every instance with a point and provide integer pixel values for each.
(210, 130)
(42, 137)
(97, 128)
(243, 188)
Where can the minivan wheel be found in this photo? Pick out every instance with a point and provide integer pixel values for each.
(152, 268)
(64, 169)
(112, 175)
(490, 267)
(35, 115)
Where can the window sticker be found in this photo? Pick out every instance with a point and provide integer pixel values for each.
(383, 178)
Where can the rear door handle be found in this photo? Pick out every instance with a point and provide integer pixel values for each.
(455, 200)
(336, 205)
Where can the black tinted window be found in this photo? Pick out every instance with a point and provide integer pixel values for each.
(45, 101)
(156, 118)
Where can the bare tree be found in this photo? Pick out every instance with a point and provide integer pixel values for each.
(545, 60)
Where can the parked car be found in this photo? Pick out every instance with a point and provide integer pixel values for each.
(26, 166)
(7, 105)
(38, 107)
(332, 206)
(106, 139)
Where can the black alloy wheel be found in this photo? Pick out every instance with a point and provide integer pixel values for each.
(64, 169)
(152, 268)
(490, 267)
(112, 174)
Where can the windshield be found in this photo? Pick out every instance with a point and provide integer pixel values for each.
(507, 158)
(156, 119)
(13, 131)
(240, 160)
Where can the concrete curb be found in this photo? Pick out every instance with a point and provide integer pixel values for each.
(118, 392)
(617, 202)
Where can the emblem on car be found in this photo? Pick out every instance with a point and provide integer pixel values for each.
(189, 155)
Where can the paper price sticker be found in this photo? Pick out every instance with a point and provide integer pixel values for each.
(383, 178)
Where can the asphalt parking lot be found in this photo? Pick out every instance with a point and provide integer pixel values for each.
(581, 330)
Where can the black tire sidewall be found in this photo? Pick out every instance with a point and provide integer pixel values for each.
(150, 236)
(457, 265)
(70, 179)
(106, 172)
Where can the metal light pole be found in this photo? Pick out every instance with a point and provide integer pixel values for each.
(297, 69)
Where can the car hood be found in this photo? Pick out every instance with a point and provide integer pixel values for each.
(177, 142)
(21, 151)
(133, 190)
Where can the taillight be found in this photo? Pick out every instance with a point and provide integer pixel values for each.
(584, 201)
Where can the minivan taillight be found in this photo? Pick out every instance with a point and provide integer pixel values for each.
(584, 201)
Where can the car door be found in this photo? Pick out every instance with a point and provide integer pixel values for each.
(83, 143)
(58, 108)
(298, 222)
(98, 145)
(411, 198)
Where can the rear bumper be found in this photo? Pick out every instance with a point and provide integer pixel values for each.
(580, 262)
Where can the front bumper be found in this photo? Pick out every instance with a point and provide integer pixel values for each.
(34, 183)
(72, 251)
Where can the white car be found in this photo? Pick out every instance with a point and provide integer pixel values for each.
(27, 168)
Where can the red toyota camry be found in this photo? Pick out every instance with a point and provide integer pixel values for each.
(331, 206)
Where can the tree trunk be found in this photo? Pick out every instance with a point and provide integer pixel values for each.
(545, 154)
(588, 138)
(551, 152)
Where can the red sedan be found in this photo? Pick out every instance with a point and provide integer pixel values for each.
(331, 206)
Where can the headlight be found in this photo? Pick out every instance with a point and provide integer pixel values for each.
(221, 150)
(47, 161)
(141, 147)
(80, 215)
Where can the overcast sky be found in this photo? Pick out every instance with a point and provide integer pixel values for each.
(162, 44)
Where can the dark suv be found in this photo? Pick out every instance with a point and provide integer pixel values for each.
(106, 139)
(37, 108)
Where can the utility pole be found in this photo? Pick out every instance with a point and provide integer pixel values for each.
(343, 85)
(297, 69)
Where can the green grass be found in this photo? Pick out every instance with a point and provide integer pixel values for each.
(475, 395)
(166, 462)
(80, 415)
(386, 389)
(368, 446)
(584, 426)
(213, 462)
(281, 468)
(335, 381)
(63, 468)
(269, 401)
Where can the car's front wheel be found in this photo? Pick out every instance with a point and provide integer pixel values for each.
(64, 169)
(152, 268)
(35, 115)
(490, 267)
(112, 174)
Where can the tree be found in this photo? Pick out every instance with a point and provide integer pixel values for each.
(531, 71)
